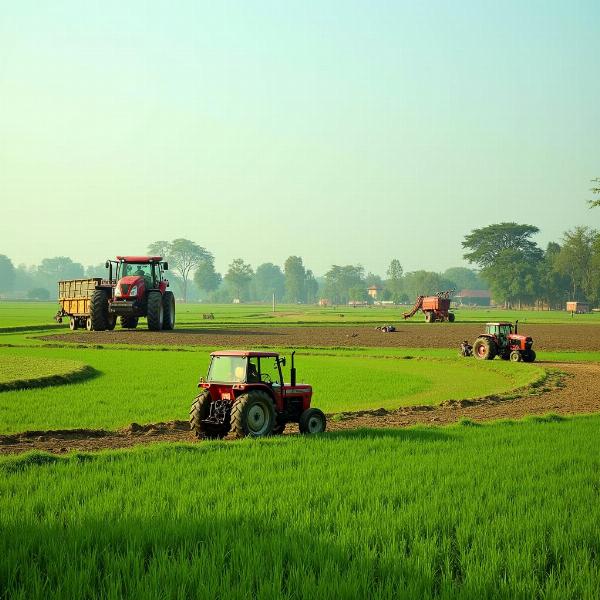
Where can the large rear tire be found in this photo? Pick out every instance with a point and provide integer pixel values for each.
(155, 311)
(451, 317)
(168, 311)
(312, 420)
(199, 413)
(99, 310)
(484, 349)
(252, 415)
(129, 322)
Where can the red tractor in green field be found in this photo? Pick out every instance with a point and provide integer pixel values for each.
(499, 340)
(244, 393)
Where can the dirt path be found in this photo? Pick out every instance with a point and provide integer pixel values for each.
(408, 335)
(576, 391)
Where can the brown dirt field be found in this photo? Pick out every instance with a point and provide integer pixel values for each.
(571, 389)
(546, 337)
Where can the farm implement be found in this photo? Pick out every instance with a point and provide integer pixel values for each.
(499, 340)
(435, 308)
(244, 393)
(136, 287)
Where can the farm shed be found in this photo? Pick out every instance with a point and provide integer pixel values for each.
(373, 291)
(578, 307)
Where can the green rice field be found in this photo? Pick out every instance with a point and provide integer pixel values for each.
(508, 510)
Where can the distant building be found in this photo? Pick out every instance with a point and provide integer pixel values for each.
(578, 307)
(477, 297)
(323, 302)
(373, 291)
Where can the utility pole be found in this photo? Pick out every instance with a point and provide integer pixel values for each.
(273, 301)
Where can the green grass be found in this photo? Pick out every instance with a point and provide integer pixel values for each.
(507, 510)
(35, 314)
(148, 386)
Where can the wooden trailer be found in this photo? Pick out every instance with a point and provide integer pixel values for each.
(74, 298)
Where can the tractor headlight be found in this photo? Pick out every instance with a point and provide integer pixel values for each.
(133, 291)
(117, 291)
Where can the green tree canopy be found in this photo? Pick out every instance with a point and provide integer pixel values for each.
(339, 280)
(575, 260)
(268, 280)
(238, 277)
(7, 274)
(595, 190)
(206, 278)
(295, 277)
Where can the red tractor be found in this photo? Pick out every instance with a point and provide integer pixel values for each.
(499, 340)
(140, 290)
(244, 393)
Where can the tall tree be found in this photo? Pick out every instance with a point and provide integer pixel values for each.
(205, 277)
(184, 257)
(508, 259)
(295, 276)
(311, 287)
(339, 280)
(575, 260)
(7, 274)
(268, 280)
(464, 279)
(394, 285)
(238, 277)
(554, 286)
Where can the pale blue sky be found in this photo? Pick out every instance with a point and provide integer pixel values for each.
(344, 132)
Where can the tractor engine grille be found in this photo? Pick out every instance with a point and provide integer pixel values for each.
(125, 289)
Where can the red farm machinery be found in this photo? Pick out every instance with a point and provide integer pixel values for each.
(244, 393)
(136, 287)
(435, 308)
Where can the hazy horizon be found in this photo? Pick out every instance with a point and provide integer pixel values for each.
(345, 133)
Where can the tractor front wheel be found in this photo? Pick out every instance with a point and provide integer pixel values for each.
(312, 420)
(484, 349)
(199, 412)
(168, 311)
(515, 356)
(252, 415)
(128, 322)
(155, 311)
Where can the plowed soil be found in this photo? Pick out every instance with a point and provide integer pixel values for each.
(571, 389)
(409, 335)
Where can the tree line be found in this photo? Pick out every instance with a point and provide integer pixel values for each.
(504, 257)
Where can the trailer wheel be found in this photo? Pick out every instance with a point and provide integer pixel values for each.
(429, 317)
(73, 324)
(312, 420)
(99, 310)
(199, 412)
(88, 324)
(168, 311)
(252, 415)
(155, 311)
(484, 349)
(128, 322)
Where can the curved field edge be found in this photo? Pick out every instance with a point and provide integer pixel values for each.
(151, 387)
(470, 510)
(21, 373)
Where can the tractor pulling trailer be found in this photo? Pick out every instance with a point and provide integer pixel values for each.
(136, 287)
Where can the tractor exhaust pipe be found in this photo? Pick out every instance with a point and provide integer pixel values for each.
(293, 371)
(516, 326)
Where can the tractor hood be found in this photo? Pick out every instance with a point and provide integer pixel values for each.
(130, 283)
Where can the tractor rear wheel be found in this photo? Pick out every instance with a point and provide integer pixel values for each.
(484, 348)
(451, 317)
(199, 413)
(312, 420)
(168, 310)
(99, 310)
(252, 415)
(529, 356)
(129, 322)
(515, 356)
(155, 311)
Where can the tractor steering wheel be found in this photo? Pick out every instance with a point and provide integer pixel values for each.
(266, 378)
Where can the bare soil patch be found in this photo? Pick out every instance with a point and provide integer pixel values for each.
(571, 389)
(437, 335)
